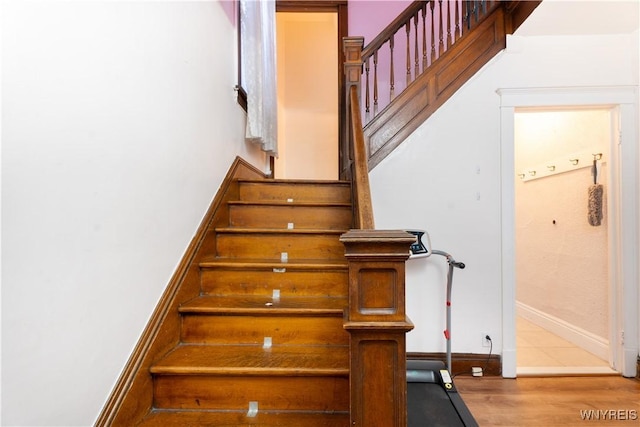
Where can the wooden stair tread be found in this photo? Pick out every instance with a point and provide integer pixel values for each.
(255, 360)
(306, 203)
(293, 264)
(199, 418)
(292, 231)
(264, 304)
(294, 181)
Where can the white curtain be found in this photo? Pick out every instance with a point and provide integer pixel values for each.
(258, 45)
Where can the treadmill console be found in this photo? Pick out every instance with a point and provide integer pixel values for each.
(422, 247)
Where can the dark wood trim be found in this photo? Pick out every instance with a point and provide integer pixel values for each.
(343, 31)
(132, 396)
(242, 97)
(518, 12)
(309, 6)
(463, 362)
(242, 94)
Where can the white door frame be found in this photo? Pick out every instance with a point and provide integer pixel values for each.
(623, 208)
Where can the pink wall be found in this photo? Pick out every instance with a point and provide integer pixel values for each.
(367, 18)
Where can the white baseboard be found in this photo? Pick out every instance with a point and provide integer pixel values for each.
(590, 342)
(563, 371)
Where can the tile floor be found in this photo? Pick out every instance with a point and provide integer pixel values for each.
(539, 351)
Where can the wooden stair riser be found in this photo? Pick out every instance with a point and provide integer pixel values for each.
(329, 192)
(291, 282)
(282, 330)
(283, 217)
(295, 393)
(186, 418)
(297, 246)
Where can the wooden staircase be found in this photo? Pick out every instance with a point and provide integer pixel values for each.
(263, 343)
(288, 306)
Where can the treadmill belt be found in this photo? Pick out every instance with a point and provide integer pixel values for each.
(428, 405)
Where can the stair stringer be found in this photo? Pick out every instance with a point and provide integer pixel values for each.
(132, 396)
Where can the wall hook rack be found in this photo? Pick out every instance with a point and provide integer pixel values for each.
(554, 166)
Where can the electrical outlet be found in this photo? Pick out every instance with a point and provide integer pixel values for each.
(486, 342)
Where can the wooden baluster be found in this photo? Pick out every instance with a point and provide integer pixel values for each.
(408, 31)
(392, 79)
(417, 50)
(433, 33)
(375, 83)
(475, 11)
(467, 13)
(440, 30)
(448, 3)
(457, 34)
(367, 100)
(424, 37)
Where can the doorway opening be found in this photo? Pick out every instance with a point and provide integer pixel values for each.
(622, 210)
(308, 95)
(562, 245)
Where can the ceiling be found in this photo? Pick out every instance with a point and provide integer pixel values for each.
(582, 17)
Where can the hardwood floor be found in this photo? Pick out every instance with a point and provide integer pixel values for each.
(552, 401)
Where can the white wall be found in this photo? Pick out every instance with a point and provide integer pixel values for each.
(119, 123)
(446, 178)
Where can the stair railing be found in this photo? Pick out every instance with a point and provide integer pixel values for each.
(376, 318)
(438, 45)
(429, 29)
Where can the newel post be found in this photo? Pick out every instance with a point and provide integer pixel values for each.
(377, 323)
(352, 50)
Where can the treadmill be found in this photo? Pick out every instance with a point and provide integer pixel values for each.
(432, 398)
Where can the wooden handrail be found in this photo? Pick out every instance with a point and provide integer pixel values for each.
(360, 168)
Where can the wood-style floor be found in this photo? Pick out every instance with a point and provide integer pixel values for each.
(552, 401)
